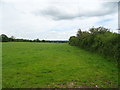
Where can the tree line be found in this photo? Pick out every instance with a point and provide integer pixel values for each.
(99, 40)
(5, 38)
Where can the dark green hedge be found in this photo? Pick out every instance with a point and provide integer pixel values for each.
(99, 40)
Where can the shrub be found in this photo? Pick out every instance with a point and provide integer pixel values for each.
(99, 40)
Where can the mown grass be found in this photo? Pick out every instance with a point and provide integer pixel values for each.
(55, 65)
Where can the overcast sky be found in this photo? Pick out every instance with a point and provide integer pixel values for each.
(55, 19)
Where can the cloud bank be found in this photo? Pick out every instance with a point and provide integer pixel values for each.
(60, 14)
(53, 19)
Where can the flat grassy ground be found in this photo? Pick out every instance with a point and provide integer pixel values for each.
(40, 65)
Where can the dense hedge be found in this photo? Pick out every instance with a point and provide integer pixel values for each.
(99, 40)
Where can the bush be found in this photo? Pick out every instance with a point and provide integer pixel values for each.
(99, 40)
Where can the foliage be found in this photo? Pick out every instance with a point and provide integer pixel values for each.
(5, 38)
(73, 40)
(99, 30)
(99, 40)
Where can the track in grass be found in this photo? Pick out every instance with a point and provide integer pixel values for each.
(40, 65)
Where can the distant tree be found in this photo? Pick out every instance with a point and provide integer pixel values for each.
(43, 40)
(12, 38)
(37, 40)
(4, 38)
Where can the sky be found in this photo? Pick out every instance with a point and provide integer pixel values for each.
(55, 19)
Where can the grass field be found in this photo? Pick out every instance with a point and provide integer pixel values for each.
(54, 65)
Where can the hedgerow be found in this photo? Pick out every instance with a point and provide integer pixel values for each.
(99, 40)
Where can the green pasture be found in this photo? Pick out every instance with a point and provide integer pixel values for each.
(55, 65)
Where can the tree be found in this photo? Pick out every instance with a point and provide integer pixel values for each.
(12, 38)
(37, 40)
(79, 33)
(82, 34)
(73, 40)
(43, 40)
(4, 38)
(99, 30)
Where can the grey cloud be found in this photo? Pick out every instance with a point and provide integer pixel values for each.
(55, 14)
(58, 14)
(108, 0)
(106, 9)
